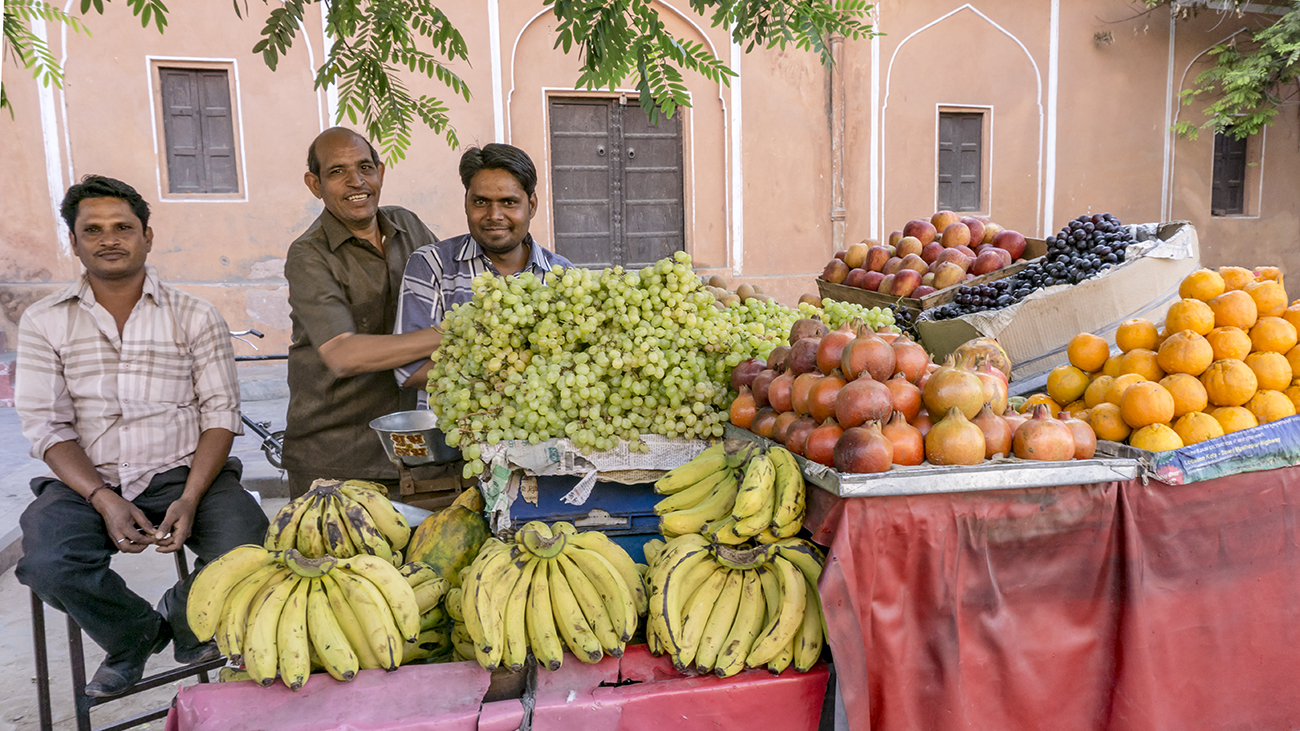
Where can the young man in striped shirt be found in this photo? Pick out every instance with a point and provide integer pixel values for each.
(126, 388)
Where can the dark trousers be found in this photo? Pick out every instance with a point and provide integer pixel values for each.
(66, 553)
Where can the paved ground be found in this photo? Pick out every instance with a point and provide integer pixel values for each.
(149, 574)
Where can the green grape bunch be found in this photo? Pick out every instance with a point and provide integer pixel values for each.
(599, 357)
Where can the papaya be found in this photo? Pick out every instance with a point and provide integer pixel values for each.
(449, 540)
(471, 499)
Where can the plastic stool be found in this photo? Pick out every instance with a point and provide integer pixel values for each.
(77, 659)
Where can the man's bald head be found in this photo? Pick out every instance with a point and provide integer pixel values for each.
(313, 162)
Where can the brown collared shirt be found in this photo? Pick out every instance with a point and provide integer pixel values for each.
(136, 402)
(341, 284)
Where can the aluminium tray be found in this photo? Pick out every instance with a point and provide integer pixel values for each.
(998, 474)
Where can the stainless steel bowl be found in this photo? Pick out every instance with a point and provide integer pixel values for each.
(412, 438)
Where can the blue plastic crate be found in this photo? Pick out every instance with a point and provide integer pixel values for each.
(625, 513)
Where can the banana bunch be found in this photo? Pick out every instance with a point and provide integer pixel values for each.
(434, 641)
(551, 588)
(733, 492)
(279, 611)
(341, 519)
(720, 609)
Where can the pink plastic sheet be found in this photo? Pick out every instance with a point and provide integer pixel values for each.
(1116, 606)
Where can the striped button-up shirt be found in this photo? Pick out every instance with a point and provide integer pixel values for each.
(440, 276)
(136, 402)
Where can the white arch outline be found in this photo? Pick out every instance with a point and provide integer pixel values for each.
(1038, 99)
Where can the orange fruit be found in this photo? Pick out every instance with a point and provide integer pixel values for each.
(1293, 392)
(1115, 394)
(1136, 333)
(1268, 274)
(1189, 394)
(1293, 357)
(1229, 342)
(1142, 362)
(1065, 383)
(1235, 308)
(1195, 427)
(1155, 438)
(1107, 423)
(1272, 333)
(1185, 352)
(1229, 383)
(1292, 314)
(1202, 284)
(1234, 418)
(1272, 371)
(1027, 407)
(1112, 366)
(1236, 277)
(1270, 297)
(1096, 391)
(1088, 352)
(1075, 408)
(1146, 403)
(1269, 406)
(1192, 315)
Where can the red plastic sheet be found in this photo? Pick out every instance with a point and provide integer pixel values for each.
(1117, 606)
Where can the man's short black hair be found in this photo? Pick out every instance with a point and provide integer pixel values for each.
(98, 186)
(313, 162)
(496, 156)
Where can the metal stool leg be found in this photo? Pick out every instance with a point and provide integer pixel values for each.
(77, 658)
(42, 664)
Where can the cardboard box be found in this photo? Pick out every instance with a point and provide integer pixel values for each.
(1034, 248)
(1035, 331)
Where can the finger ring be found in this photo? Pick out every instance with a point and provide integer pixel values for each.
(120, 540)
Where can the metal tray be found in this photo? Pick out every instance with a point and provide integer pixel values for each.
(997, 474)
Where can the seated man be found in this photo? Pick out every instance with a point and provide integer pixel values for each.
(126, 388)
(500, 201)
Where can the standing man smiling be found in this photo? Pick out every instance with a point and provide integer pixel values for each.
(344, 273)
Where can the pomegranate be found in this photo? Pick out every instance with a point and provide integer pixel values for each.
(742, 409)
(863, 400)
(811, 327)
(1014, 420)
(821, 399)
(797, 435)
(776, 359)
(744, 372)
(778, 392)
(799, 391)
(820, 446)
(1085, 439)
(995, 386)
(910, 358)
(954, 440)
(952, 386)
(781, 427)
(909, 444)
(867, 353)
(1043, 438)
(923, 422)
(997, 432)
(760, 385)
(764, 422)
(831, 347)
(803, 356)
(888, 334)
(985, 349)
(863, 449)
(907, 398)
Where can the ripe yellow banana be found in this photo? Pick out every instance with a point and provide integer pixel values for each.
(615, 595)
(434, 618)
(745, 628)
(480, 613)
(327, 637)
(706, 463)
(283, 532)
(362, 530)
(569, 620)
(679, 585)
(417, 572)
(668, 557)
(260, 653)
(695, 494)
(375, 487)
(334, 530)
(790, 491)
(778, 664)
(809, 639)
(386, 517)
(805, 555)
(716, 505)
(756, 487)
(755, 523)
(493, 589)
(592, 605)
(542, 635)
(311, 540)
(234, 616)
(291, 638)
(620, 560)
(208, 593)
(397, 594)
(462, 645)
(779, 633)
(428, 594)
(695, 614)
(453, 602)
(374, 616)
(721, 618)
(349, 624)
(652, 550)
(515, 615)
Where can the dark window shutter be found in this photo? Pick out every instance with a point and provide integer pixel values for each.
(961, 160)
(198, 131)
(1228, 191)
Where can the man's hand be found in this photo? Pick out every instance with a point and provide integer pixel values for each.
(175, 527)
(126, 524)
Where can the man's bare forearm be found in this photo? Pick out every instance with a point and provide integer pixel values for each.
(352, 354)
(209, 457)
(73, 467)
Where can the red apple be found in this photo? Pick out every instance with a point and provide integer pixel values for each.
(985, 263)
(1012, 241)
(1003, 253)
(953, 256)
(855, 278)
(914, 262)
(876, 258)
(841, 253)
(904, 282)
(947, 274)
(921, 229)
(976, 227)
(955, 234)
(895, 237)
(893, 265)
(857, 255)
(943, 219)
(930, 251)
(886, 284)
(835, 271)
(927, 279)
(991, 230)
(909, 245)
(965, 250)
(923, 290)
(872, 281)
